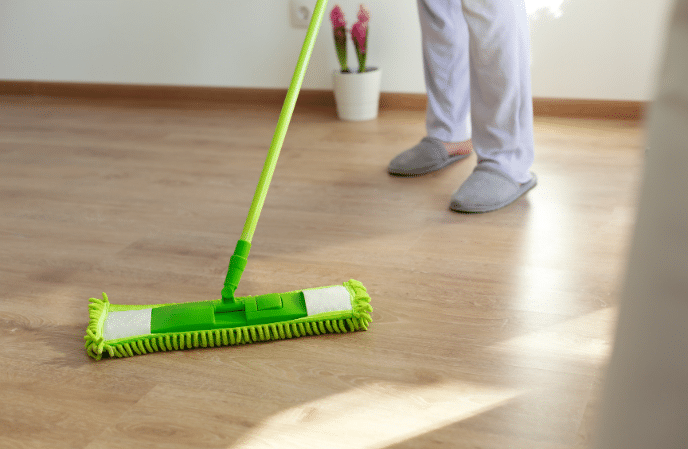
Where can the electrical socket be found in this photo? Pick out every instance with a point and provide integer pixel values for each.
(300, 12)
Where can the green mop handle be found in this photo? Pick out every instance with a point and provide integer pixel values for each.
(237, 262)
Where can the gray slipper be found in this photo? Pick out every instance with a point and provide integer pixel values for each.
(488, 189)
(429, 155)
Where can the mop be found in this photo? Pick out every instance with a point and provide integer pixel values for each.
(128, 330)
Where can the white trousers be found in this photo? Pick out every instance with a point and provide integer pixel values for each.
(476, 56)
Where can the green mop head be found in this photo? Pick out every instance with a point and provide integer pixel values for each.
(124, 331)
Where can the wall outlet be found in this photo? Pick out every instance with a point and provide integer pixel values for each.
(300, 12)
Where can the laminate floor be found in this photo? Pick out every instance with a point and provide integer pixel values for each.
(490, 330)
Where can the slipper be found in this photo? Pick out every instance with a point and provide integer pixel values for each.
(488, 189)
(428, 156)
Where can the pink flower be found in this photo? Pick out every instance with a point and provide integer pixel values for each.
(339, 29)
(337, 17)
(359, 32)
(363, 15)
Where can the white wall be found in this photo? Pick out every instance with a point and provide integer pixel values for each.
(601, 49)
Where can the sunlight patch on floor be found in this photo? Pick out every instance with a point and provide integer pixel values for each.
(586, 337)
(374, 416)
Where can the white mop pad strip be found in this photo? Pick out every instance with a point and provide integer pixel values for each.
(127, 323)
(327, 299)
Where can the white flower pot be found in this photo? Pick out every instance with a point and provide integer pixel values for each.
(357, 95)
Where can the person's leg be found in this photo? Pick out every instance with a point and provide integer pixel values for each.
(446, 66)
(501, 98)
(501, 106)
(445, 62)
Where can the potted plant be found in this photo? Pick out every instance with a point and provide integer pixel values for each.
(356, 92)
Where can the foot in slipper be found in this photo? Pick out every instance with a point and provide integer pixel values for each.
(488, 189)
(428, 156)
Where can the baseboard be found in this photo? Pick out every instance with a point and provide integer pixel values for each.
(161, 94)
(595, 109)
(158, 93)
